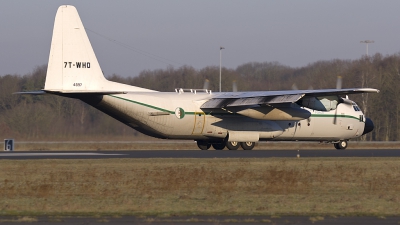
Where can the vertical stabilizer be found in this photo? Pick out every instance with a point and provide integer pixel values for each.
(73, 66)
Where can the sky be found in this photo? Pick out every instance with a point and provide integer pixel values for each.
(130, 36)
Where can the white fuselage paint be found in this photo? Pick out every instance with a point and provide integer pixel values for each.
(178, 116)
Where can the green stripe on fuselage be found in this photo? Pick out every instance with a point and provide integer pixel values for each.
(143, 104)
(220, 113)
(149, 106)
(333, 116)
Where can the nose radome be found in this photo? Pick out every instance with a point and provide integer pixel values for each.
(369, 126)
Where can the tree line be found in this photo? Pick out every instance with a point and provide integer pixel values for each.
(49, 117)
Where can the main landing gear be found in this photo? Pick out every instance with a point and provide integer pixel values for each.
(341, 145)
(247, 145)
(203, 145)
(231, 145)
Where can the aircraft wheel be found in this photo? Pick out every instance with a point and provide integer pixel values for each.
(341, 145)
(203, 145)
(218, 146)
(232, 145)
(247, 145)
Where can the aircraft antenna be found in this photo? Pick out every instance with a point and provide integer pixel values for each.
(220, 62)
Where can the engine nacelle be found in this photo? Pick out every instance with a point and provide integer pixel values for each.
(271, 113)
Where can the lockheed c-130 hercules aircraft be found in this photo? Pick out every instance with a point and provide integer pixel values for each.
(222, 119)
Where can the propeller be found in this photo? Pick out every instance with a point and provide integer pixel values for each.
(339, 82)
(294, 87)
(234, 86)
(346, 100)
(206, 84)
(339, 86)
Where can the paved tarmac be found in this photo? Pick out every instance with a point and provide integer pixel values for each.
(198, 154)
(199, 220)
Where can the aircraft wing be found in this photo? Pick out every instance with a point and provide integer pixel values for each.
(229, 99)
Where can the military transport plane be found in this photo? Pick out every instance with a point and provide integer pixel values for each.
(222, 119)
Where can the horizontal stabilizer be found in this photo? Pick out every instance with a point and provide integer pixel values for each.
(88, 92)
(68, 92)
(30, 93)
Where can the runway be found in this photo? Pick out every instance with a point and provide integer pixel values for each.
(21, 155)
(205, 220)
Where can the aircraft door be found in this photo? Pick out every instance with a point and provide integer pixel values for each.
(199, 119)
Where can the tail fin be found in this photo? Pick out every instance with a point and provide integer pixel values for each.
(73, 66)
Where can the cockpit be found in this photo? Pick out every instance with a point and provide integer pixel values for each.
(356, 108)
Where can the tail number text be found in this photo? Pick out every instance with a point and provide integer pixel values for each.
(83, 65)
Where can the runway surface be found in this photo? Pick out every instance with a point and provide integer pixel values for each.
(198, 154)
(204, 220)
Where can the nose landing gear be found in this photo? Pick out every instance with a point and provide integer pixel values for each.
(341, 145)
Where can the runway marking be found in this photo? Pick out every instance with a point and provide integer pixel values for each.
(55, 154)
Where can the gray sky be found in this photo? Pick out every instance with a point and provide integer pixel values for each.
(187, 32)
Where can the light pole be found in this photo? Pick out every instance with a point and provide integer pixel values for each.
(220, 57)
(367, 42)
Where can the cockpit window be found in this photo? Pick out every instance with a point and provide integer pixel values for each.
(356, 108)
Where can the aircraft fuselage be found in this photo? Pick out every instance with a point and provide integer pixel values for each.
(179, 116)
(226, 119)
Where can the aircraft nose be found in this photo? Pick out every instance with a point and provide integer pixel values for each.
(369, 126)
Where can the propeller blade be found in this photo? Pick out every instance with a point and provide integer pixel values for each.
(339, 82)
(335, 117)
(206, 84)
(234, 86)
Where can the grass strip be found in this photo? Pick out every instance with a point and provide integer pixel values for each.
(166, 187)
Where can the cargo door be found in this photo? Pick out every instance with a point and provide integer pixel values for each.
(199, 120)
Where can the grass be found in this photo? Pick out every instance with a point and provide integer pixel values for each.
(165, 187)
